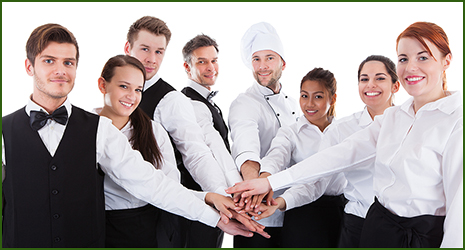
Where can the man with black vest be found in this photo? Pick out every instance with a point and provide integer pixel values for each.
(54, 157)
(201, 64)
(147, 40)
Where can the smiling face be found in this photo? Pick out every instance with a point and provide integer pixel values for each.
(203, 68)
(267, 68)
(420, 72)
(54, 72)
(122, 94)
(149, 49)
(315, 102)
(375, 87)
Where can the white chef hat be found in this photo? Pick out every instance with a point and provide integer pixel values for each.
(260, 36)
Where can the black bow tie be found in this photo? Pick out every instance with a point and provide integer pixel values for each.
(211, 95)
(38, 119)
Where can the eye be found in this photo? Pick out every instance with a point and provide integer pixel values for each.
(200, 62)
(145, 49)
(69, 63)
(401, 60)
(304, 95)
(159, 52)
(423, 58)
(380, 78)
(318, 96)
(123, 86)
(214, 61)
(48, 61)
(270, 58)
(254, 59)
(139, 90)
(364, 79)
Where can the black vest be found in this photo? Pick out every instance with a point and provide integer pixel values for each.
(218, 121)
(52, 201)
(150, 99)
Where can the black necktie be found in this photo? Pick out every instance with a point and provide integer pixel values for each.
(38, 119)
(211, 95)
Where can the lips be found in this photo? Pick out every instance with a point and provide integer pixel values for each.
(372, 93)
(411, 80)
(126, 104)
(149, 69)
(264, 73)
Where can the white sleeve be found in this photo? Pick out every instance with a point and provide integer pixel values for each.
(127, 168)
(169, 166)
(358, 148)
(452, 163)
(243, 125)
(215, 142)
(279, 155)
(176, 114)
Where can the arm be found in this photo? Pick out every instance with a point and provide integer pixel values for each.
(177, 116)
(279, 155)
(215, 143)
(169, 167)
(452, 164)
(322, 164)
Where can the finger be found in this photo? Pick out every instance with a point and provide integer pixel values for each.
(224, 218)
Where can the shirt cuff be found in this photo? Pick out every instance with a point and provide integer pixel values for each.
(210, 217)
(246, 156)
(280, 180)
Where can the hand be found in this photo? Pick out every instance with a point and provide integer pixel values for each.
(221, 203)
(234, 228)
(257, 199)
(267, 210)
(250, 187)
(252, 225)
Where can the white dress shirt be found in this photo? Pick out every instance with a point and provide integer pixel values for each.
(127, 169)
(418, 165)
(359, 189)
(254, 119)
(212, 136)
(117, 197)
(293, 144)
(176, 114)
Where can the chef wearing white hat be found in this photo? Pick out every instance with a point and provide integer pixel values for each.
(256, 115)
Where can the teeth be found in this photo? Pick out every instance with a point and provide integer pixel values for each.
(264, 74)
(311, 111)
(372, 93)
(126, 104)
(413, 79)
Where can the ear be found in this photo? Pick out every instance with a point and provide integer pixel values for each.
(395, 87)
(284, 64)
(333, 100)
(29, 67)
(102, 85)
(187, 68)
(127, 48)
(447, 61)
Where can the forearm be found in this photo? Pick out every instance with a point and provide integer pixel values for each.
(250, 170)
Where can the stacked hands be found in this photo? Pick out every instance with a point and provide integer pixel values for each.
(251, 199)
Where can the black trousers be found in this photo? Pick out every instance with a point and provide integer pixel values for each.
(131, 228)
(200, 235)
(351, 231)
(385, 229)
(171, 230)
(258, 241)
(317, 224)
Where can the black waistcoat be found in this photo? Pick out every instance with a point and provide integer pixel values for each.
(218, 121)
(52, 201)
(150, 99)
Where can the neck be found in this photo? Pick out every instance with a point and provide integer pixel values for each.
(374, 111)
(116, 120)
(420, 101)
(322, 124)
(49, 104)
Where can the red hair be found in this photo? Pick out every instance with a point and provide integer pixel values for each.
(431, 32)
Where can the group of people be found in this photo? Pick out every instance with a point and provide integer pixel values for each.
(157, 167)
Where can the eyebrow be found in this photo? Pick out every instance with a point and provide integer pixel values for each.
(375, 74)
(204, 58)
(143, 45)
(419, 53)
(52, 57)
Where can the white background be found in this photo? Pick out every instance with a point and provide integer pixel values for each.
(334, 36)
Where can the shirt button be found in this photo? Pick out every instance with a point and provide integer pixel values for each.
(53, 167)
(285, 97)
(277, 114)
(293, 113)
(57, 239)
(56, 216)
(268, 98)
(55, 192)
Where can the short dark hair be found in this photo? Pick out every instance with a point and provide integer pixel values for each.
(195, 43)
(43, 35)
(151, 24)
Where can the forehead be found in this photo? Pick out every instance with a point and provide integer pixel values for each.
(412, 45)
(59, 50)
(147, 38)
(263, 53)
(205, 52)
(312, 86)
(373, 67)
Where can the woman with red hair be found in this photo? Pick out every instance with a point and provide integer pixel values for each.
(418, 151)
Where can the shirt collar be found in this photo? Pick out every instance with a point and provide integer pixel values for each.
(365, 118)
(199, 88)
(149, 83)
(32, 106)
(446, 105)
(265, 91)
(302, 123)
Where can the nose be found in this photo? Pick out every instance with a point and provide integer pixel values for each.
(151, 58)
(371, 83)
(60, 69)
(263, 65)
(411, 66)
